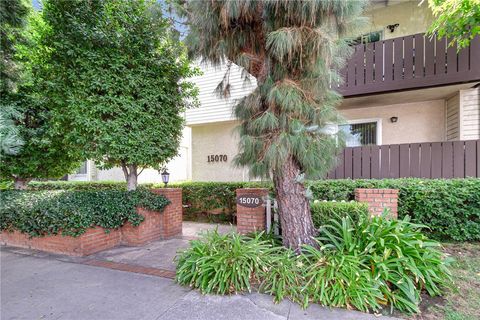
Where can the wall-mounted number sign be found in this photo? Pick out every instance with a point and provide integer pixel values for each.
(249, 200)
(217, 158)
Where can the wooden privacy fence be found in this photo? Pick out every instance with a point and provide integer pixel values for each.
(413, 61)
(449, 159)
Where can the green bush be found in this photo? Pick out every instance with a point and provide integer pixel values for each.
(77, 185)
(72, 185)
(363, 265)
(450, 208)
(396, 252)
(70, 213)
(223, 264)
(323, 211)
(6, 184)
(210, 198)
(340, 280)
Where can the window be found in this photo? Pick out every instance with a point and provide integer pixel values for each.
(82, 169)
(361, 133)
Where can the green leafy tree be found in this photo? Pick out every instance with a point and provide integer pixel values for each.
(117, 76)
(13, 19)
(293, 49)
(457, 19)
(28, 116)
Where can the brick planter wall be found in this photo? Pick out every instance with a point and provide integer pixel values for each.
(172, 215)
(93, 240)
(378, 199)
(251, 219)
(156, 226)
(149, 230)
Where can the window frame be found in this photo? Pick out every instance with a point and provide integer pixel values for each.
(378, 121)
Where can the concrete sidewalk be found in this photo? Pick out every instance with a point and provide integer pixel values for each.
(46, 288)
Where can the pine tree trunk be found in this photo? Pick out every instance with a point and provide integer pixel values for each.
(294, 208)
(21, 183)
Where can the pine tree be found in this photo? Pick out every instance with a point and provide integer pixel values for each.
(294, 50)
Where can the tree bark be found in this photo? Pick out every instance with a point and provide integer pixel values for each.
(131, 175)
(21, 183)
(294, 208)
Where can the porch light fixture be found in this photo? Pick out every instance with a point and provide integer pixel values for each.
(165, 176)
(393, 119)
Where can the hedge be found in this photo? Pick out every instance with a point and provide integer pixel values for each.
(71, 213)
(324, 211)
(450, 208)
(212, 198)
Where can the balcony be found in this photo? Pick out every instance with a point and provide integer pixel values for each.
(407, 63)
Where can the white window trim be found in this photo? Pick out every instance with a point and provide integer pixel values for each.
(379, 127)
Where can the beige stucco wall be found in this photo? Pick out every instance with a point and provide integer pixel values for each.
(215, 139)
(417, 122)
(411, 17)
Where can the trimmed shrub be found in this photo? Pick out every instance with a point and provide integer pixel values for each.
(77, 185)
(70, 213)
(323, 211)
(212, 198)
(449, 208)
(72, 185)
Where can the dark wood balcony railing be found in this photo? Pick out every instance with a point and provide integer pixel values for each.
(409, 62)
(448, 159)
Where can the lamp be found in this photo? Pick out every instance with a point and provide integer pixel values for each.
(165, 176)
(393, 119)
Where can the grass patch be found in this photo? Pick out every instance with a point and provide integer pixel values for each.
(463, 301)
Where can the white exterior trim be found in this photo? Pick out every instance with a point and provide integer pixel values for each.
(212, 108)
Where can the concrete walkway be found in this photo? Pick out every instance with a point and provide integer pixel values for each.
(194, 229)
(40, 286)
(160, 254)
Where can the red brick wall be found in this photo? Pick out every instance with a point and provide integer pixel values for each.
(173, 213)
(93, 240)
(155, 226)
(251, 219)
(150, 229)
(378, 199)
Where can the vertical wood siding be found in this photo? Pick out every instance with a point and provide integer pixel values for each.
(449, 159)
(409, 62)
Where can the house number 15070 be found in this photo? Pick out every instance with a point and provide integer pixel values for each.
(217, 158)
